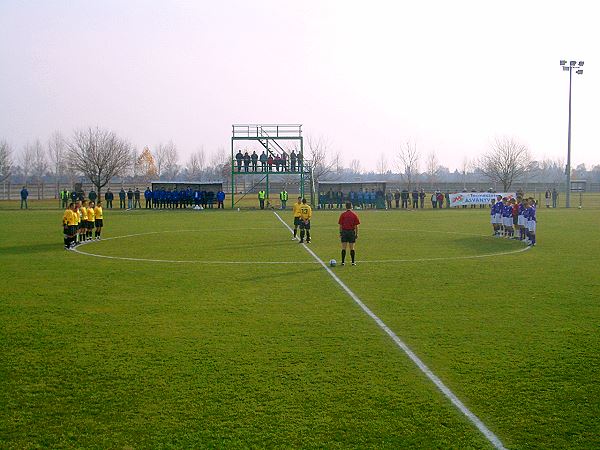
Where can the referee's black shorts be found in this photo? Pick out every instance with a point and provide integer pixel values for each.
(348, 236)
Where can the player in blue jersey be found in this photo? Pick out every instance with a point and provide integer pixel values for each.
(498, 215)
(520, 218)
(493, 216)
(532, 221)
(507, 217)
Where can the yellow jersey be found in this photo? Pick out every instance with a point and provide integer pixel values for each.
(98, 212)
(66, 216)
(82, 213)
(90, 215)
(72, 217)
(305, 212)
(296, 209)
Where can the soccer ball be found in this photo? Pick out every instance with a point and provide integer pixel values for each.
(333, 263)
(579, 206)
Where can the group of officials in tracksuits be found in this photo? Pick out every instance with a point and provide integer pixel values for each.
(182, 198)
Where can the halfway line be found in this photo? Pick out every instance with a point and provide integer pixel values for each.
(490, 436)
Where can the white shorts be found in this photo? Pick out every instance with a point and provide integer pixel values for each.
(493, 219)
(521, 221)
(531, 224)
(498, 218)
(507, 221)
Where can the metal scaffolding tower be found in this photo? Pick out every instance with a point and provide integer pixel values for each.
(283, 154)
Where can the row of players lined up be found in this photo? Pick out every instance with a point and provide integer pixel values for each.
(373, 199)
(182, 198)
(79, 221)
(160, 198)
(510, 217)
(267, 162)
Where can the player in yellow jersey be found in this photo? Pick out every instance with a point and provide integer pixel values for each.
(98, 219)
(296, 212)
(70, 219)
(65, 222)
(305, 216)
(91, 218)
(82, 209)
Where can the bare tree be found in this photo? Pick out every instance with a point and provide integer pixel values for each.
(160, 155)
(408, 162)
(196, 164)
(316, 157)
(433, 168)
(355, 167)
(5, 160)
(219, 166)
(26, 161)
(167, 160)
(219, 157)
(464, 171)
(99, 154)
(56, 154)
(506, 161)
(39, 165)
(338, 163)
(382, 164)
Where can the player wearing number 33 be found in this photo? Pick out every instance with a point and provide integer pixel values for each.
(348, 231)
(305, 215)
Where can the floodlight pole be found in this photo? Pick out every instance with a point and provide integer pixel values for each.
(570, 65)
(568, 198)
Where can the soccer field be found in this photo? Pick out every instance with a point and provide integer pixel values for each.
(215, 329)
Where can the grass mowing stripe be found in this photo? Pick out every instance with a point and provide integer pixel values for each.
(489, 435)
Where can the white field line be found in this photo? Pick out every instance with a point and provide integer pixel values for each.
(178, 261)
(490, 436)
(195, 261)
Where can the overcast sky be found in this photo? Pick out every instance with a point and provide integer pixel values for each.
(367, 76)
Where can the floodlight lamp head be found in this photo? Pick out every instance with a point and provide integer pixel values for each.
(580, 63)
(563, 62)
(573, 63)
(579, 72)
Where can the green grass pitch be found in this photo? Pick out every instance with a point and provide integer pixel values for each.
(234, 337)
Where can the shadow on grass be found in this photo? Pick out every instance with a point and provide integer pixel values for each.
(487, 244)
(28, 249)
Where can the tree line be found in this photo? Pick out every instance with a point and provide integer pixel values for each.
(101, 156)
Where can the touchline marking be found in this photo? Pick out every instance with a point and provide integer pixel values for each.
(490, 436)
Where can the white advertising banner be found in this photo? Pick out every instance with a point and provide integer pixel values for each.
(477, 198)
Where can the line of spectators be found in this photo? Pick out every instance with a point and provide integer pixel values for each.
(363, 198)
(245, 162)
